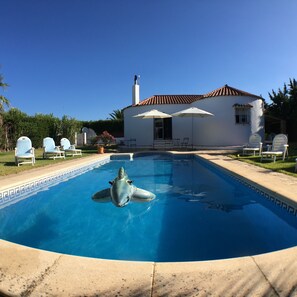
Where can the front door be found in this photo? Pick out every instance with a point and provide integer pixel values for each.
(162, 129)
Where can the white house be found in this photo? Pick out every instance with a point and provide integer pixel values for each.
(237, 114)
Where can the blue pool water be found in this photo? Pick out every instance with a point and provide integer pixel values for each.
(199, 214)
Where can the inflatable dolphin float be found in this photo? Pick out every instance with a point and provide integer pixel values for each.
(122, 192)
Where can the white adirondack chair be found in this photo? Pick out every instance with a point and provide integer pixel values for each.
(279, 148)
(24, 153)
(254, 146)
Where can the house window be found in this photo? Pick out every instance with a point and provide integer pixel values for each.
(242, 114)
(163, 128)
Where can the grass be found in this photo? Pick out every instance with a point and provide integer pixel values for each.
(7, 164)
(286, 167)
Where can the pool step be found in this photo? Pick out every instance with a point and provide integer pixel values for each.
(122, 156)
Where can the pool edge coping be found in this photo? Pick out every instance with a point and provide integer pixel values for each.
(276, 194)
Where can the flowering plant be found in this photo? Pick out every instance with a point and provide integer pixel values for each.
(105, 138)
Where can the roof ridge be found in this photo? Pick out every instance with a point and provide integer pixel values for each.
(228, 91)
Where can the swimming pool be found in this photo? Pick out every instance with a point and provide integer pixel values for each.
(199, 214)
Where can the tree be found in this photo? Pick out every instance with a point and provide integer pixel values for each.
(293, 97)
(14, 123)
(284, 105)
(117, 115)
(69, 126)
(3, 100)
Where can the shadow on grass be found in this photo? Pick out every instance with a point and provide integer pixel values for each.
(287, 166)
(8, 164)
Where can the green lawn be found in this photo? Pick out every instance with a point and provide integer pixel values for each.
(7, 164)
(287, 166)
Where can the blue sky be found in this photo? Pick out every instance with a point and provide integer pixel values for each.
(79, 57)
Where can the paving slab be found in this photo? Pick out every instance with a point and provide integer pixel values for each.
(31, 272)
(77, 276)
(235, 277)
(280, 269)
(22, 267)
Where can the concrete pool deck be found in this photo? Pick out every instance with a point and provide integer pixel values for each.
(31, 272)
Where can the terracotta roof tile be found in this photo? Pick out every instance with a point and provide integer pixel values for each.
(170, 99)
(188, 99)
(228, 91)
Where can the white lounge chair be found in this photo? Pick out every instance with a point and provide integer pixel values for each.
(69, 148)
(24, 152)
(50, 150)
(254, 146)
(279, 148)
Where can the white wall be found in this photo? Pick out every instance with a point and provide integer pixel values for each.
(142, 129)
(219, 130)
(257, 118)
(137, 128)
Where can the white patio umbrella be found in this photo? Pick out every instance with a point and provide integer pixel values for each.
(153, 114)
(192, 112)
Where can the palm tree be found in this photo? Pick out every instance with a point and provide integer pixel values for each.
(3, 100)
(117, 115)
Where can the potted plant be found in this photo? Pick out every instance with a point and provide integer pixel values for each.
(100, 149)
(103, 140)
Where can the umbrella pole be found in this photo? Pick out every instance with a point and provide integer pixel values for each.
(192, 136)
(153, 133)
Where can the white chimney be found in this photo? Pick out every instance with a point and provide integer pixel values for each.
(135, 90)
